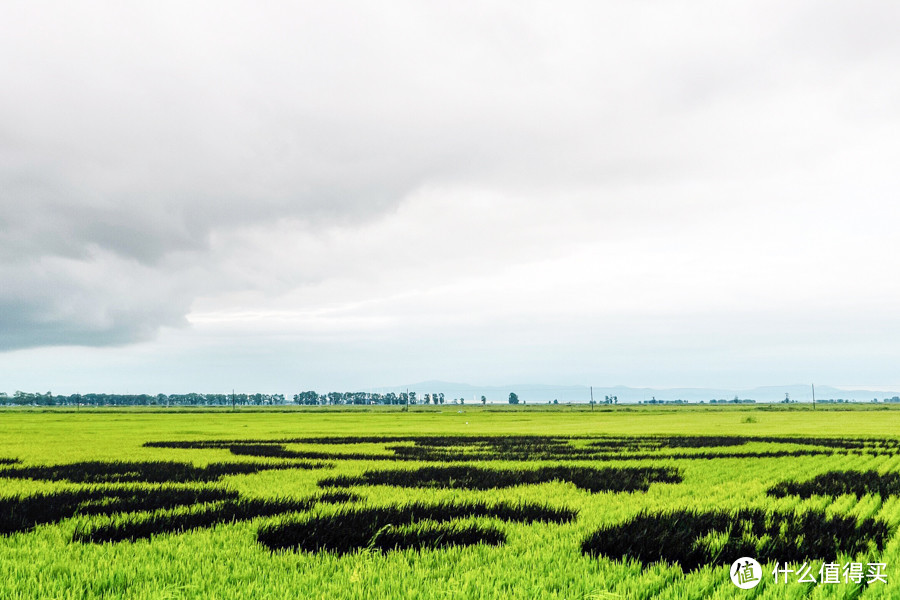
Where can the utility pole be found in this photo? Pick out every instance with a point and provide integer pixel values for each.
(233, 405)
(814, 395)
(592, 398)
(407, 400)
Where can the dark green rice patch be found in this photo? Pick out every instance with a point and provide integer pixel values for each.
(22, 513)
(838, 483)
(143, 526)
(607, 479)
(276, 451)
(677, 537)
(644, 443)
(352, 529)
(338, 497)
(433, 536)
(853, 444)
(546, 448)
(147, 471)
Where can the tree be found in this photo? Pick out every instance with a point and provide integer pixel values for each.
(513, 398)
(308, 398)
(483, 400)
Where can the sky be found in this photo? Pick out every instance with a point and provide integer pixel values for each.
(284, 196)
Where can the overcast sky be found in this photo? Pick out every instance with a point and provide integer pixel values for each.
(272, 197)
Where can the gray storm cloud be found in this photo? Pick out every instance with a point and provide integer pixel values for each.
(137, 141)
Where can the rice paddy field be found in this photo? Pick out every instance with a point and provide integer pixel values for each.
(450, 502)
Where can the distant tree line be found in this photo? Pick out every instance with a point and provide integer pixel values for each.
(37, 399)
(311, 398)
(734, 400)
(308, 398)
(653, 400)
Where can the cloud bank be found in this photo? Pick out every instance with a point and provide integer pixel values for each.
(509, 170)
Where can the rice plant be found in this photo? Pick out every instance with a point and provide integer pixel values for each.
(22, 513)
(609, 479)
(143, 526)
(838, 483)
(351, 529)
(436, 504)
(679, 536)
(145, 471)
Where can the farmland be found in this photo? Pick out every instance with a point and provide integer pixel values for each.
(445, 502)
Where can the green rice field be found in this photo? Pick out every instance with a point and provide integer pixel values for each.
(450, 502)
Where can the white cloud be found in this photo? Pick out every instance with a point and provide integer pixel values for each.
(361, 174)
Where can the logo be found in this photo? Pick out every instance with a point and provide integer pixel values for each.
(746, 573)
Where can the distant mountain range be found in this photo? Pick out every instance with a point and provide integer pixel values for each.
(535, 393)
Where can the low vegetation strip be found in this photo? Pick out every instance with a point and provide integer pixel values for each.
(441, 455)
(22, 513)
(138, 509)
(609, 479)
(545, 448)
(275, 451)
(669, 441)
(838, 483)
(642, 443)
(434, 536)
(338, 497)
(373, 529)
(872, 445)
(694, 539)
(8, 461)
(148, 471)
(131, 528)
(351, 529)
